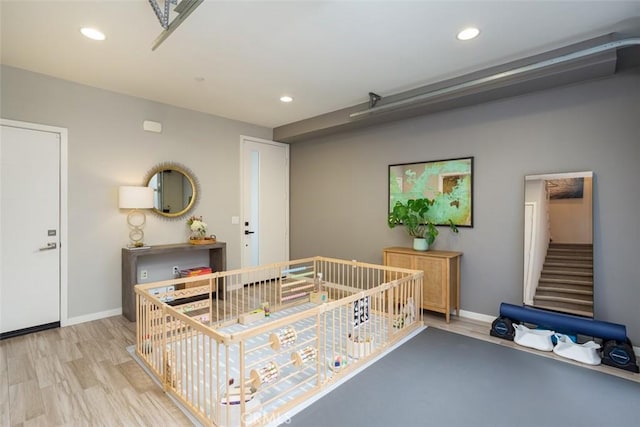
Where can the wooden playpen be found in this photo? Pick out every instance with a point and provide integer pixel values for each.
(243, 347)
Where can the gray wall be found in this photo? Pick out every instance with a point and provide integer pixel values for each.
(108, 148)
(339, 187)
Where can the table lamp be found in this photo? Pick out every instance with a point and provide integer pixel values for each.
(135, 198)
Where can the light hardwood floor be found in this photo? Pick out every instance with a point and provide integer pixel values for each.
(83, 375)
(80, 375)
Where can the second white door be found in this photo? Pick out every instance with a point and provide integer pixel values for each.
(265, 202)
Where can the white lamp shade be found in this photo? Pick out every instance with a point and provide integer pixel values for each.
(135, 197)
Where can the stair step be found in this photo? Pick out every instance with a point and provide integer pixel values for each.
(568, 263)
(578, 299)
(567, 272)
(570, 310)
(557, 289)
(548, 298)
(566, 279)
(569, 252)
(579, 288)
(575, 280)
(572, 257)
(573, 246)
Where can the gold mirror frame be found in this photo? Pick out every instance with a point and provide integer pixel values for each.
(187, 173)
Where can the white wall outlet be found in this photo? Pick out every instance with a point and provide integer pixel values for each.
(176, 270)
(235, 220)
(144, 274)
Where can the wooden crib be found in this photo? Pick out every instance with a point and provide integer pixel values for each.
(244, 347)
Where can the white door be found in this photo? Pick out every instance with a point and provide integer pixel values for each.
(265, 201)
(29, 229)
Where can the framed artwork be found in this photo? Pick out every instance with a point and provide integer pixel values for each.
(448, 182)
(565, 188)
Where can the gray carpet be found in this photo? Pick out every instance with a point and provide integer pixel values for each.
(444, 379)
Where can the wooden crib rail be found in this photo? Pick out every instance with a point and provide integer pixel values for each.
(230, 374)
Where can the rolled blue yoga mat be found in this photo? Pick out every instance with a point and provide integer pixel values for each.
(564, 323)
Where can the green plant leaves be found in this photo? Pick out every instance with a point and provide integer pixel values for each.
(414, 216)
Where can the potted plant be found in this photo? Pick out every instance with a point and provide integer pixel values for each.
(198, 231)
(414, 216)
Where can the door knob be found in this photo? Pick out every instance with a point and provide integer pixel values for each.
(248, 232)
(49, 247)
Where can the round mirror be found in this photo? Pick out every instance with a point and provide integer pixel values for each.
(175, 189)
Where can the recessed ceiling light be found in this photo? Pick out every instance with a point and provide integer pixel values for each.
(92, 33)
(468, 33)
(286, 98)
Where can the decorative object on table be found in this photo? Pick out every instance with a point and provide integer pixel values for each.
(136, 199)
(449, 183)
(198, 231)
(414, 215)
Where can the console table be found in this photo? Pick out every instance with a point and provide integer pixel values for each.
(441, 285)
(130, 258)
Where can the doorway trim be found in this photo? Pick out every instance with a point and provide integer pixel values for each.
(64, 165)
(244, 138)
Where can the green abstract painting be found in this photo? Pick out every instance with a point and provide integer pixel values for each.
(448, 182)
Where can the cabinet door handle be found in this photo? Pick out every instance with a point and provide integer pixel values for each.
(49, 247)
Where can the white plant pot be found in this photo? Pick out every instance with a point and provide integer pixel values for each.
(420, 244)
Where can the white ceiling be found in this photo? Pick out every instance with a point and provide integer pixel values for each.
(327, 55)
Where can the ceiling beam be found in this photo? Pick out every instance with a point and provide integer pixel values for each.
(574, 63)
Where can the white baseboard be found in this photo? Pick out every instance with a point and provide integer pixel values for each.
(92, 316)
(477, 316)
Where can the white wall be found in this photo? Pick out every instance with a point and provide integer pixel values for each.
(108, 148)
(572, 219)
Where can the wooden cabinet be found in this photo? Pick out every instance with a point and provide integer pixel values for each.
(441, 286)
(131, 257)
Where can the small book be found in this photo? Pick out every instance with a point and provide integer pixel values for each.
(137, 248)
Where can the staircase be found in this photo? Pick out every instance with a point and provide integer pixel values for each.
(566, 280)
